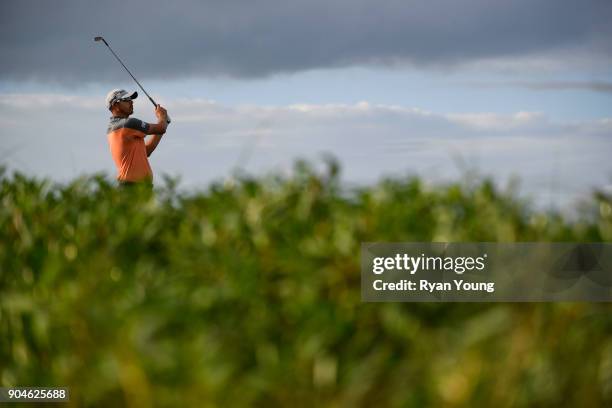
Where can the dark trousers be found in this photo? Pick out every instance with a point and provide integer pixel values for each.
(130, 185)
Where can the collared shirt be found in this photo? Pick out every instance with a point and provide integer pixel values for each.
(126, 141)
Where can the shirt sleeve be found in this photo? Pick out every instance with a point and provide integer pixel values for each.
(138, 125)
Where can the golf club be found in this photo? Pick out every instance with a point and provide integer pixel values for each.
(98, 39)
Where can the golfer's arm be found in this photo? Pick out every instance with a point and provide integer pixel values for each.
(157, 128)
(152, 143)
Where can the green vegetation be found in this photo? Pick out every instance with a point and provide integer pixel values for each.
(248, 295)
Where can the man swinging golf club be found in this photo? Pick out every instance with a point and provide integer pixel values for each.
(126, 138)
(126, 135)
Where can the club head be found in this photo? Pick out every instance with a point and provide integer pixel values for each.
(98, 39)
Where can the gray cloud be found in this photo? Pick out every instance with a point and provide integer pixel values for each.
(595, 86)
(52, 41)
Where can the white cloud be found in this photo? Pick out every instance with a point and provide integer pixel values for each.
(494, 121)
(45, 101)
(61, 136)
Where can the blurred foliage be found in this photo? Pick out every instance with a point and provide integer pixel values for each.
(248, 294)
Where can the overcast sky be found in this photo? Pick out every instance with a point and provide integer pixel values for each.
(515, 87)
(51, 40)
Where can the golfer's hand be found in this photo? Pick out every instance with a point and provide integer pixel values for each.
(161, 113)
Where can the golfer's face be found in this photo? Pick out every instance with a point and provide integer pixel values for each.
(127, 106)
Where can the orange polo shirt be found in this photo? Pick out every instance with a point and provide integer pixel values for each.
(127, 146)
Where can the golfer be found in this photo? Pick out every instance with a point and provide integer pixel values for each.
(126, 138)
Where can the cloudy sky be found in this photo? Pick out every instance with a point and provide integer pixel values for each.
(435, 88)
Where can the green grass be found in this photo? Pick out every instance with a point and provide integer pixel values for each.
(249, 295)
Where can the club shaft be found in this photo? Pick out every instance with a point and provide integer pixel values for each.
(128, 71)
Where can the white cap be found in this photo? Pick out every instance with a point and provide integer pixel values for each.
(117, 95)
